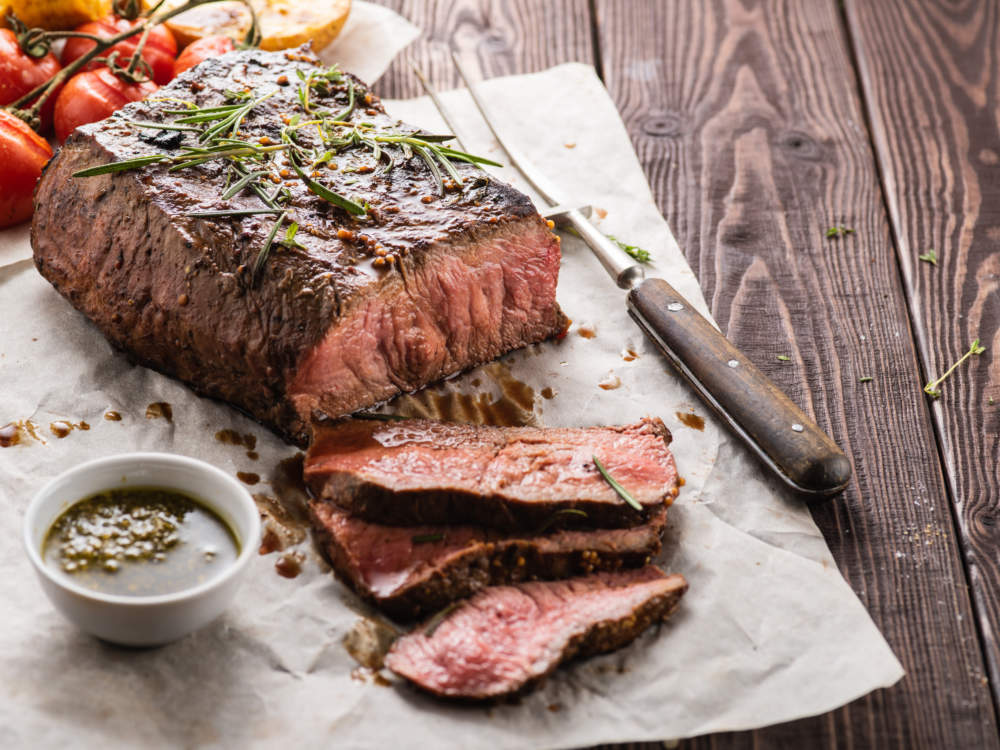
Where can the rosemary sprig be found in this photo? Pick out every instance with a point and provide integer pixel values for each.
(221, 214)
(931, 389)
(555, 517)
(622, 492)
(634, 251)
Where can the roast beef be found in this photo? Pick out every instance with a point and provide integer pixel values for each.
(436, 277)
(409, 572)
(506, 638)
(419, 471)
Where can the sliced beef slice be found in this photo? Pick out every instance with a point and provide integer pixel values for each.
(507, 638)
(418, 471)
(353, 312)
(409, 572)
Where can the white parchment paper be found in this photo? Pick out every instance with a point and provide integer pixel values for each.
(768, 632)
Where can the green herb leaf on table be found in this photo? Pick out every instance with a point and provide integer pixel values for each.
(931, 389)
(838, 231)
(929, 257)
(865, 379)
(784, 358)
(622, 492)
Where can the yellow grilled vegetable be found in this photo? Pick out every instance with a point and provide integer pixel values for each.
(54, 14)
(283, 23)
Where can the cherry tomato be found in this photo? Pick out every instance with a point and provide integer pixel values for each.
(23, 153)
(159, 51)
(202, 49)
(94, 95)
(20, 73)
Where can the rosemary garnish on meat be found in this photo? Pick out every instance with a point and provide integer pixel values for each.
(306, 141)
(931, 389)
(561, 513)
(622, 492)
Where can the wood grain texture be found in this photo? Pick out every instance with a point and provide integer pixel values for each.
(931, 81)
(492, 38)
(747, 119)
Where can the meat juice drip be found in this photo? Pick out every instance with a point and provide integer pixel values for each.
(610, 381)
(513, 407)
(61, 427)
(13, 433)
(10, 434)
(289, 565)
(284, 515)
(587, 332)
(248, 477)
(113, 416)
(368, 641)
(160, 409)
(629, 355)
(689, 419)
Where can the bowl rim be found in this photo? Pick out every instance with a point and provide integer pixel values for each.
(247, 552)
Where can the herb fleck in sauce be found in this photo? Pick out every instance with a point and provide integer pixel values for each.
(139, 541)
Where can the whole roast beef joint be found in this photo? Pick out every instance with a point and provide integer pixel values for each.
(443, 269)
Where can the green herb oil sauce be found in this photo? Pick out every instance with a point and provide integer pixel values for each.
(139, 541)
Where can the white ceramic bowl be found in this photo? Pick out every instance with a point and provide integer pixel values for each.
(144, 620)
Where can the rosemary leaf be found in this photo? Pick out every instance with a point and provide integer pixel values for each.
(622, 492)
(122, 166)
(241, 183)
(555, 517)
(784, 358)
(261, 259)
(929, 257)
(238, 212)
(328, 195)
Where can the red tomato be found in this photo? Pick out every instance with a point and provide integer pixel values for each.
(23, 153)
(159, 51)
(20, 73)
(94, 95)
(202, 49)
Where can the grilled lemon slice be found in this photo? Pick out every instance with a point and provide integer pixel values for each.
(283, 23)
(54, 14)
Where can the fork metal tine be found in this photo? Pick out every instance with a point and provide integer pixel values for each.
(442, 110)
(542, 186)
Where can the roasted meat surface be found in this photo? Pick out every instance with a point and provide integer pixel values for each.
(435, 277)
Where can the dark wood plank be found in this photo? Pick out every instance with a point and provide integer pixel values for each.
(931, 82)
(492, 39)
(747, 119)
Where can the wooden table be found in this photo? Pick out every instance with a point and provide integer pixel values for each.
(762, 124)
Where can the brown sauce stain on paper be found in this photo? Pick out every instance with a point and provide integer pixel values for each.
(113, 416)
(284, 514)
(689, 419)
(289, 565)
(587, 332)
(629, 355)
(62, 427)
(160, 409)
(13, 433)
(368, 641)
(513, 407)
(610, 382)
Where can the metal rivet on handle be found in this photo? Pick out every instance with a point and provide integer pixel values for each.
(675, 306)
(797, 427)
(733, 363)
